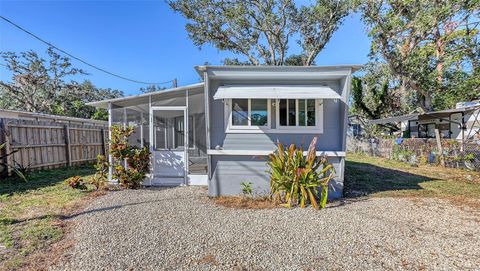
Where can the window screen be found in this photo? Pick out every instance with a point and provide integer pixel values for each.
(297, 112)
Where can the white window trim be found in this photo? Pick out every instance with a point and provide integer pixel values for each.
(318, 128)
(232, 129)
(246, 128)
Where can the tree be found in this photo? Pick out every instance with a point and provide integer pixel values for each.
(376, 94)
(40, 85)
(261, 30)
(425, 43)
(152, 88)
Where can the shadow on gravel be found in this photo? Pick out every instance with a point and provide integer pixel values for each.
(346, 201)
(104, 209)
(362, 179)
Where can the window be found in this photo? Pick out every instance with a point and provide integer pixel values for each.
(249, 113)
(297, 112)
(426, 130)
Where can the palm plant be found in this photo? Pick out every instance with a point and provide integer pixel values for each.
(15, 168)
(295, 178)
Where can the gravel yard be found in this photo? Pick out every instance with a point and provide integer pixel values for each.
(180, 228)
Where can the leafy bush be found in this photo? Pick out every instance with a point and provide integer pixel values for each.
(247, 189)
(100, 179)
(137, 159)
(295, 178)
(76, 182)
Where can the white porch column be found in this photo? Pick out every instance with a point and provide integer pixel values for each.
(187, 139)
(151, 134)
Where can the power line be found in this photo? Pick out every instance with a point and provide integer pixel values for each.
(84, 62)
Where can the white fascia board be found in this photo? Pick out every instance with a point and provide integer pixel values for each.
(278, 75)
(104, 103)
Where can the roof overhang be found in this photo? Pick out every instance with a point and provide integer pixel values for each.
(447, 113)
(104, 103)
(276, 92)
(395, 119)
(278, 72)
(426, 116)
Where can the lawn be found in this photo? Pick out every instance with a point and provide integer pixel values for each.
(32, 213)
(365, 175)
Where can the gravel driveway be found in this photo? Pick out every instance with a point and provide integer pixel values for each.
(179, 228)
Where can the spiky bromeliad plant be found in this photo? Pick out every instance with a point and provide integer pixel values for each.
(296, 178)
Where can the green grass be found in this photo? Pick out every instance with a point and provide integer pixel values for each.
(31, 212)
(382, 177)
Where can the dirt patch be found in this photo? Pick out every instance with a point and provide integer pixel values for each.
(208, 260)
(244, 202)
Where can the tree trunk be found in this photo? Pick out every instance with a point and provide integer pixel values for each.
(427, 102)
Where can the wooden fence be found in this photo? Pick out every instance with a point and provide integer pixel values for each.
(42, 145)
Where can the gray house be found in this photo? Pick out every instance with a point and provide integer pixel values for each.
(219, 132)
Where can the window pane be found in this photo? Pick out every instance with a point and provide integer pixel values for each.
(259, 113)
(422, 131)
(291, 112)
(310, 112)
(240, 112)
(283, 112)
(301, 112)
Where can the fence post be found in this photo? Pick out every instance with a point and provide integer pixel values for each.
(68, 151)
(8, 150)
(440, 148)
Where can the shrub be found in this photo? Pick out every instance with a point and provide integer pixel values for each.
(295, 178)
(137, 159)
(100, 179)
(76, 182)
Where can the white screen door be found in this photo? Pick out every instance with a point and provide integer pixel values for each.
(169, 153)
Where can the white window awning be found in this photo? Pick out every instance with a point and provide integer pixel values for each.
(276, 92)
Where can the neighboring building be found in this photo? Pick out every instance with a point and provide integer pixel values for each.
(219, 132)
(461, 123)
(356, 126)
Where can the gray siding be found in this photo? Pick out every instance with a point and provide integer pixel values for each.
(329, 140)
(230, 171)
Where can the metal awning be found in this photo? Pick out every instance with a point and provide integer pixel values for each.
(276, 92)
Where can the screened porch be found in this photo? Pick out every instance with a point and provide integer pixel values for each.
(171, 123)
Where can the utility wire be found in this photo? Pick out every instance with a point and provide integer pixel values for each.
(84, 62)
